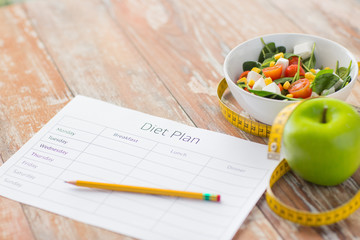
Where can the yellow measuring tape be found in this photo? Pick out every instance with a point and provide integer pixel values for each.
(274, 133)
(245, 124)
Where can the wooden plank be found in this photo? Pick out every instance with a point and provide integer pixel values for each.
(31, 89)
(14, 224)
(31, 92)
(189, 61)
(256, 227)
(188, 56)
(326, 19)
(233, 22)
(47, 225)
(208, 26)
(282, 11)
(184, 44)
(96, 60)
(13, 221)
(334, 20)
(300, 194)
(54, 37)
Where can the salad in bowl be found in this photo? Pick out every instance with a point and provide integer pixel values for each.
(282, 75)
(267, 73)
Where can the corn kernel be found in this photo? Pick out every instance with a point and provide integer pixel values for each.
(255, 69)
(243, 79)
(289, 95)
(268, 80)
(279, 55)
(286, 85)
(313, 71)
(310, 76)
(251, 83)
(272, 63)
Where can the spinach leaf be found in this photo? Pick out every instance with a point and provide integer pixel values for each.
(305, 68)
(346, 81)
(284, 92)
(281, 49)
(267, 62)
(271, 95)
(337, 68)
(344, 72)
(269, 48)
(310, 62)
(324, 80)
(324, 71)
(248, 65)
(268, 55)
(242, 85)
(266, 94)
(283, 80)
(288, 55)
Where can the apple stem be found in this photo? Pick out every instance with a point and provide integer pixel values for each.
(323, 120)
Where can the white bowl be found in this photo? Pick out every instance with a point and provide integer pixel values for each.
(263, 109)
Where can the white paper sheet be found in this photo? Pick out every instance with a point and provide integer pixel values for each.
(97, 141)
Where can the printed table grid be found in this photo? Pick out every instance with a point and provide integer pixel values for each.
(65, 150)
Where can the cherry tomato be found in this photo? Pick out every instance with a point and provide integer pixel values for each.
(244, 74)
(273, 72)
(281, 87)
(292, 69)
(300, 88)
(293, 60)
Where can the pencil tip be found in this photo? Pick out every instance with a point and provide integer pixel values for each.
(70, 182)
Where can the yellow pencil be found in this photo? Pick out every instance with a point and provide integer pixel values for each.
(146, 190)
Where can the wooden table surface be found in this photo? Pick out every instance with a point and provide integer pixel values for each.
(159, 57)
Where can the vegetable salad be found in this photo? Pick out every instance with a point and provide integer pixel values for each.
(291, 76)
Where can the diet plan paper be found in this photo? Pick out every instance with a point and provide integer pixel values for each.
(97, 141)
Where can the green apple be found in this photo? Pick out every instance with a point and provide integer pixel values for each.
(321, 141)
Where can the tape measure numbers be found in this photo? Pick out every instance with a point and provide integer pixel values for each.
(243, 123)
(305, 217)
(290, 213)
(275, 133)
